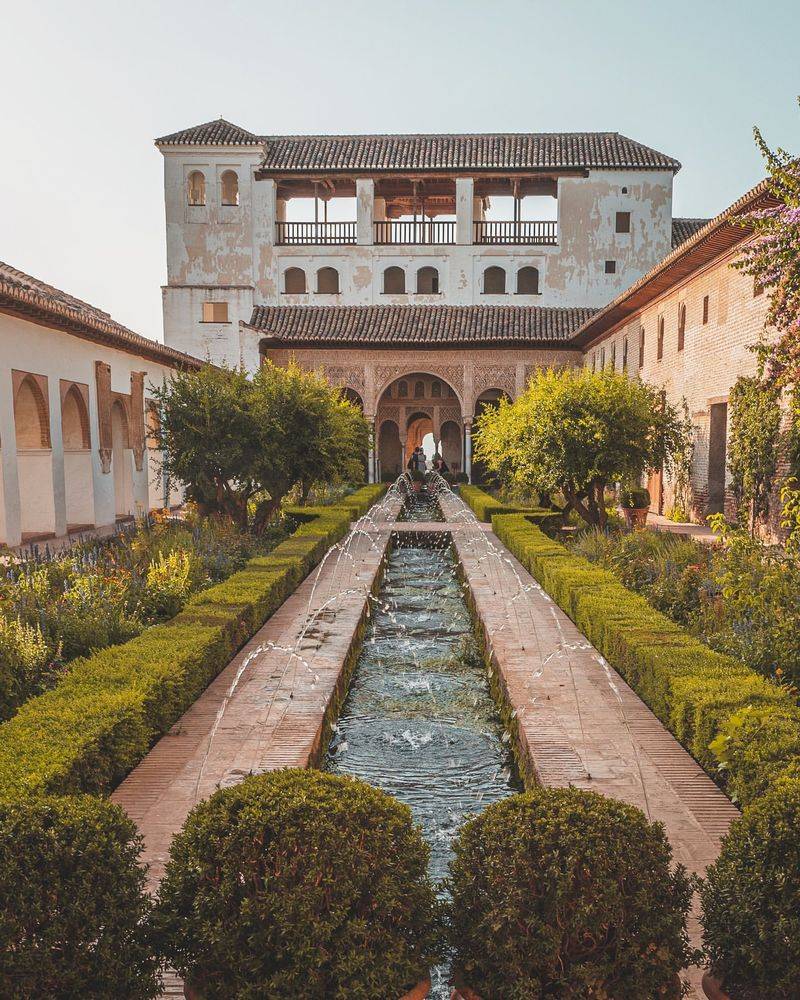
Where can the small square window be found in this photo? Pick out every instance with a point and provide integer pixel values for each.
(705, 310)
(624, 190)
(215, 312)
(611, 267)
(623, 222)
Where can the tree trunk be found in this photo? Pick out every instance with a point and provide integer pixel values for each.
(264, 513)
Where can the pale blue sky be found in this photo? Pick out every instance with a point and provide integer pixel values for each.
(87, 86)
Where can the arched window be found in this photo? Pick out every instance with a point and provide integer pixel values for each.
(419, 390)
(394, 281)
(681, 325)
(528, 281)
(31, 417)
(196, 194)
(74, 421)
(436, 388)
(494, 281)
(625, 353)
(294, 281)
(229, 182)
(427, 281)
(660, 342)
(641, 347)
(328, 281)
(614, 356)
(402, 389)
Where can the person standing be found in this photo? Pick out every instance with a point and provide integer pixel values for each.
(422, 463)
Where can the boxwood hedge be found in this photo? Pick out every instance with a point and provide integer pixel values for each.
(702, 696)
(102, 718)
(485, 507)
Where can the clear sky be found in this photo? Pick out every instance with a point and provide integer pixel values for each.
(87, 86)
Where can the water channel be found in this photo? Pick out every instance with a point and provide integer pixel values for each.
(419, 720)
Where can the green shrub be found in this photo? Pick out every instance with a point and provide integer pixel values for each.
(565, 893)
(751, 899)
(26, 664)
(101, 719)
(484, 506)
(72, 903)
(635, 498)
(299, 884)
(694, 690)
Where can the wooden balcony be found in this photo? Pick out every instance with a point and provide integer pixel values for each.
(506, 233)
(420, 232)
(292, 234)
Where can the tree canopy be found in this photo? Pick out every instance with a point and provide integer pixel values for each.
(577, 431)
(231, 439)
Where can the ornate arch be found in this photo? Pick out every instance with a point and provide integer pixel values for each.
(452, 375)
(79, 394)
(37, 386)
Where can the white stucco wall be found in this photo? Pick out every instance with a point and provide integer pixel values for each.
(43, 490)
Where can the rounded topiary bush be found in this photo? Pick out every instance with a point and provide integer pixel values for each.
(72, 903)
(751, 899)
(565, 893)
(300, 884)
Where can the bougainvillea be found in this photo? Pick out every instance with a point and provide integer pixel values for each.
(772, 257)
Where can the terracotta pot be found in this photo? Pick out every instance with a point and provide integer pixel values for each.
(464, 993)
(635, 517)
(713, 988)
(419, 992)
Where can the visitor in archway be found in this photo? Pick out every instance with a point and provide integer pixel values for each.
(413, 462)
(440, 465)
(422, 462)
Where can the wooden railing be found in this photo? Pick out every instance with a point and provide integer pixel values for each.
(396, 231)
(531, 233)
(315, 233)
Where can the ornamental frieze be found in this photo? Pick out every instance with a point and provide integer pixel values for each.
(349, 376)
(494, 378)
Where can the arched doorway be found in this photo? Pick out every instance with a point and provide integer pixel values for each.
(34, 457)
(390, 451)
(420, 405)
(75, 437)
(451, 445)
(489, 399)
(121, 461)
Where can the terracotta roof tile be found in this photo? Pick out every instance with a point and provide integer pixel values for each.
(34, 300)
(490, 151)
(423, 326)
(684, 229)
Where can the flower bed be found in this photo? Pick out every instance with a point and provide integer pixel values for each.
(101, 719)
(699, 694)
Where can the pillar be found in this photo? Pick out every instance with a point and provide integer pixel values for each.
(468, 448)
(268, 193)
(465, 188)
(11, 520)
(371, 450)
(365, 210)
(57, 446)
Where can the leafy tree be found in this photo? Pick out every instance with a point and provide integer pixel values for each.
(231, 439)
(773, 258)
(753, 441)
(578, 431)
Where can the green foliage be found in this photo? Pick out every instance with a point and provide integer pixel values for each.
(682, 467)
(549, 899)
(690, 687)
(26, 664)
(299, 884)
(484, 506)
(751, 899)
(753, 439)
(73, 904)
(230, 438)
(635, 498)
(102, 718)
(790, 515)
(576, 431)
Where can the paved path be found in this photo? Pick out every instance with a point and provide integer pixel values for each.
(579, 722)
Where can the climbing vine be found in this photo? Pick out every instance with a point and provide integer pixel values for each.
(754, 438)
(682, 467)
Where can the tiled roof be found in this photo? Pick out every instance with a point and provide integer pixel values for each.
(420, 326)
(34, 300)
(216, 133)
(719, 236)
(490, 151)
(683, 229)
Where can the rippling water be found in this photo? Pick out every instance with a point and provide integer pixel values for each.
(419, 721)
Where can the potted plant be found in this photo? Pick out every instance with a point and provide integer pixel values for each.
(566, 893)
(300, 884)
(635, 504)
(751, 901)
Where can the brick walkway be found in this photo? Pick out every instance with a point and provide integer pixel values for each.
(579, 721)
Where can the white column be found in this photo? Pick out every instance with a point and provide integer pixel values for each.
(57, 445)
(371, 451)
(268, 191)
(10, 520)
(465, 188)
(468, 448)
(365, 210)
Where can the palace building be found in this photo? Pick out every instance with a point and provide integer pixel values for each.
(427, 274)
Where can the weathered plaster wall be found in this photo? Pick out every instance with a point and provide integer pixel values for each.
(42, 489)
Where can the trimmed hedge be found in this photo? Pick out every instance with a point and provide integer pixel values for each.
(484, 506)
(697, 693)
(90, 730)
